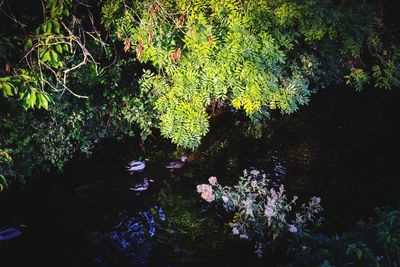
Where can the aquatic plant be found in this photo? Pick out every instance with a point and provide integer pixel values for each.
(262, 211)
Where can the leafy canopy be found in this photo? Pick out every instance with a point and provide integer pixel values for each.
(250, 55)
(82, 65)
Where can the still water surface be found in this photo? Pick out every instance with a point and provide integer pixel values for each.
(343, 147)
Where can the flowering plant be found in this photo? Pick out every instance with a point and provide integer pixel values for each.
(262, 210)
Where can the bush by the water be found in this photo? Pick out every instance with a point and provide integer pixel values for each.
(114, 69)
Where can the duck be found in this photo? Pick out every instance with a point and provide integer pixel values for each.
(142, 186)
(176, 164)
(135, 166)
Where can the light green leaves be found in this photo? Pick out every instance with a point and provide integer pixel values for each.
(253, 56)
(28, 45)
(387, 72)
(185, 123)
(357, 78)
(26, 86)
(46, 56)
(3, 183)
(5, 160)
(33, 98)
(43, 101)
(7, 88)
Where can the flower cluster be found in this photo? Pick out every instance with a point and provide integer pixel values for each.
(262, 211)
(206, 192)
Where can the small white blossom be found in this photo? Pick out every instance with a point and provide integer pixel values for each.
(269, 212)
(212, 180)
(235, 231)
(292, 228)
(206, 192)
(254, 172)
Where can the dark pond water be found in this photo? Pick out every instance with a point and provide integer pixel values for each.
(343, 147)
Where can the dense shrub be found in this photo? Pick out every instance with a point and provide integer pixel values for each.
(261, 209)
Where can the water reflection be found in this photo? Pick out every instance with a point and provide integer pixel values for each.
(131, 234)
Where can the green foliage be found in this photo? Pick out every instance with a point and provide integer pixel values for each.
(372, 243)
(246, 55)
(44, 140)
(172, 65)
(60, 134)
(25, 86)
(38, 63)
(48, 140)
(357, 78)
(387, 73)
(5, 162)
(57, 9)
(3, 183)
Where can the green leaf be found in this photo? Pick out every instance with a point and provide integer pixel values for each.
(25, 77)
(5, 79)
(40, 100)
(25, 101)
(44, 27)
(54, 56)
(28, 44)
(3, 183)
(32, 99)
(46, 57)
(59, 48)
(21, 94)
(53, 12)
(7, 90)
(43, 101)
(66, 12)
(56, 26)
(49, 27)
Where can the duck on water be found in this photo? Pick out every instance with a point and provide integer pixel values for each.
(136, 166)
(141, 186)
(176, 164)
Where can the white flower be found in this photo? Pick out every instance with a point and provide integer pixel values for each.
(225, 199)
(206, 192)
(235, 231)
(271, 201)
(315, 200)
(292, 228)
(269, 212)
(254, 172)
(212, 180)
